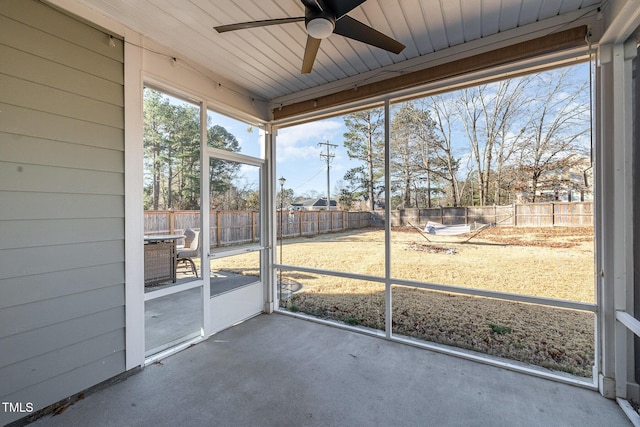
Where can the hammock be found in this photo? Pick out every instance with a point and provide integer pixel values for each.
(451, 230)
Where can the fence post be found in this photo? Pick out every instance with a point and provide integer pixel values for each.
(466, 215)
(515, 215)
(330, 218)
(218, 229)
(553, 214)
(441, 215)
(253, 226)
(300, 223)
(172, 221)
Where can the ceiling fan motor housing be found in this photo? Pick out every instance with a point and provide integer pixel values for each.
(319, 23)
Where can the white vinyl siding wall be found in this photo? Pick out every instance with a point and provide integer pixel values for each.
(61, 206)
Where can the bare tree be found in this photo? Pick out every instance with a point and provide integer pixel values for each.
(488, 113)
(514, 121)
(442, 106)
(559, 121)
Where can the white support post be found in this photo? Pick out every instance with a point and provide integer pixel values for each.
(605, 224)
(623, 251)
(630, 53)
(614, 225)
(388, 312)
(617, 268)
(205, 226)
(268, 225)
(134, 217)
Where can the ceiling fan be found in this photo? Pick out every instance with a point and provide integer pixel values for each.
(323, 18)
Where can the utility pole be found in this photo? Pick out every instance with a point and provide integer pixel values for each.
(328, 156)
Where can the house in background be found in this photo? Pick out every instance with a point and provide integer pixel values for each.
(72, 78)
(316, 204)
(569, 183)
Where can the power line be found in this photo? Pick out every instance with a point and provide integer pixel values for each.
(309, 180)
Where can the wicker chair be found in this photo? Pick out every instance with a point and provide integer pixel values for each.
(190, 250)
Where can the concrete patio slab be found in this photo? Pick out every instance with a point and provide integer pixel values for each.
(277, 370)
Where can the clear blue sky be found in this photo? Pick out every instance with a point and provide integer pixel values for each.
(298, 156)
(298, 153)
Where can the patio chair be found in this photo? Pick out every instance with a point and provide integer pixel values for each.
(190, 250)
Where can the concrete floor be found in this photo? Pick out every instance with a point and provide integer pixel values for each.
(176, 318)
(276, 370)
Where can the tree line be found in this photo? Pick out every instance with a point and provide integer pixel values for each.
(524, 139)
(172, 159)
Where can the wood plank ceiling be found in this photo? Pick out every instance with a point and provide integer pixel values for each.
(266, 61)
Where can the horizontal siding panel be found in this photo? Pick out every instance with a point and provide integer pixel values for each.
(39, 287)
(16, 205)
(36, 69)
(60, 51)
(37, 151)
(54, 337)
(23, 234)
(24, 121)
(35, 96)
(62, 205)
(51, 179)
(62, 26)
(23, 318)
(28, 261)
(27, 289)
(63, 386)
(33, 371)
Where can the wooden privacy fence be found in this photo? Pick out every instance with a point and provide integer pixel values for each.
(236, 227)
(225, 227)
(565, 214)
(550, 214)
(309, 223)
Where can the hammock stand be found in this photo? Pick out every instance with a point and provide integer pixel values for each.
(434, 228)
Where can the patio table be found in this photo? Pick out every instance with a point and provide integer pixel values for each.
(160, 258)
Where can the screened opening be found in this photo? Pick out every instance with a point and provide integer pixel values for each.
(488, 193)
(171, 189)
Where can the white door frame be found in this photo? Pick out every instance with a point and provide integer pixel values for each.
(223, 311)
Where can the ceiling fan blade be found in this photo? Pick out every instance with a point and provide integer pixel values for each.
(356, 30)
(313, 4)
(342, 7)
(254, 24)
(310, 52)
